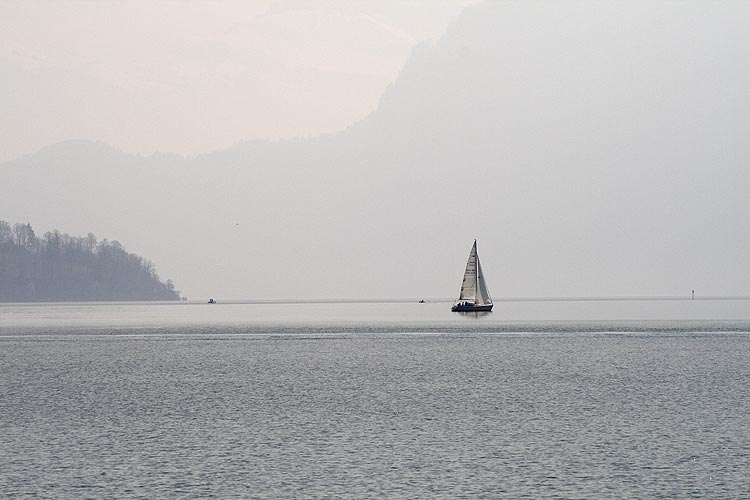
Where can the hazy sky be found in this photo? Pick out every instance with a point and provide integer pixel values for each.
(191, 77)
(592, 147)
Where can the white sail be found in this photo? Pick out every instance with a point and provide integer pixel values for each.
(483, 293)
(469, 284)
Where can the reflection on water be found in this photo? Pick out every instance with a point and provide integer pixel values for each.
(474, 314)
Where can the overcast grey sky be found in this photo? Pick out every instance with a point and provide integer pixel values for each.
(191, 77)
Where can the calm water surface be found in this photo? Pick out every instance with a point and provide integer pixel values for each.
(635, 399)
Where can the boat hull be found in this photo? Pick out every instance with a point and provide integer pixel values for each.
(471, 308)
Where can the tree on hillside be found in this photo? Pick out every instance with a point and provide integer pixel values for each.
(60, 267)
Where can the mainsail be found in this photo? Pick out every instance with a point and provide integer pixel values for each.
(474, 288)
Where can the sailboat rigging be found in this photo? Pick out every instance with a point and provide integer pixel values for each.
(475, 296)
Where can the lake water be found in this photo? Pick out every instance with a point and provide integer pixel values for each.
(580, 399)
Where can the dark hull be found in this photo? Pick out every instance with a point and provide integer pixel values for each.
(470, 308)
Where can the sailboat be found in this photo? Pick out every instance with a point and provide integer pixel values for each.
(475, 296)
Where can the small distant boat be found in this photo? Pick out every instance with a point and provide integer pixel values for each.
(421, 301)
(475, 296)
(211, 301)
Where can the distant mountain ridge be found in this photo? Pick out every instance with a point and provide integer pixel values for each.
(593, 149)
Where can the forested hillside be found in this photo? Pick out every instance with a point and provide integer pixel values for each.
(60, 267)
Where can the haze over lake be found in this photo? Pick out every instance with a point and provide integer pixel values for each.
(592, 148)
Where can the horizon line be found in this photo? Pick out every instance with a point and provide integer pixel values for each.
(401, 300)
(611, 298)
